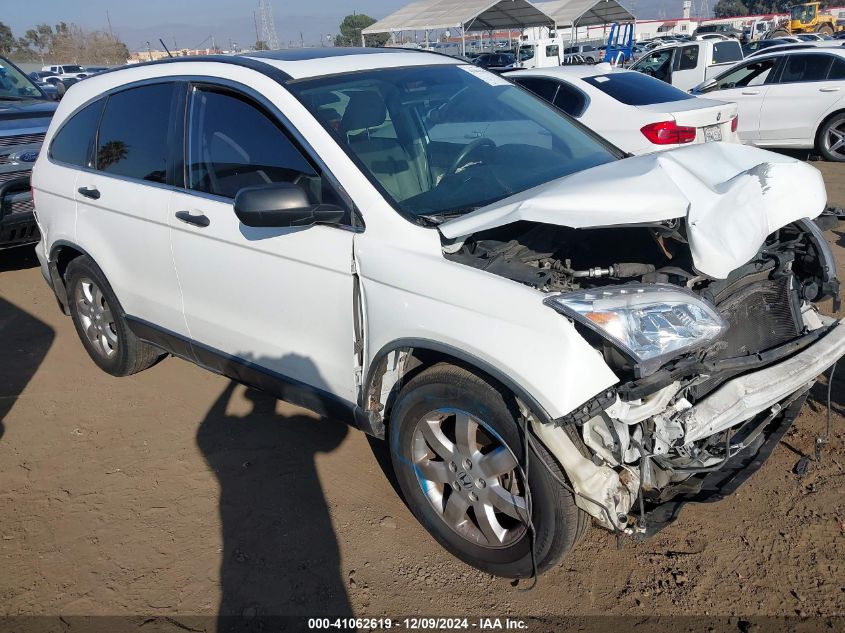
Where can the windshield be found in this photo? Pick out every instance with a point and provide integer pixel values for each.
(636, 89)
(526, 52)
(803, 13)
(15, 85)
(447, 139)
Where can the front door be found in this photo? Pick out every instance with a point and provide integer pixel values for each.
(275, 299)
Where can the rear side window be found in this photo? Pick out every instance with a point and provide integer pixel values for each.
(570, 100)
(552, 50)
(636, 89)
(805, 67)
(233, 144)
(133, 134)
(72, 144)
(837, 69)
(726, 52)
(543, 88)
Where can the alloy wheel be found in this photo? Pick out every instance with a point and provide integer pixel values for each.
(95, 317)
(470, 477)
(834, 139)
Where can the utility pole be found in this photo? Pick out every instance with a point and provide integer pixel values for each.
(108, 19)
(268, 25)
(149, 50)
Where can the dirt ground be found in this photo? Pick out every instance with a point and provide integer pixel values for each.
(175, 492)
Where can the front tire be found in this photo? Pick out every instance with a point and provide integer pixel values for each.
(457, 452)
(831, 138)
(101, 324)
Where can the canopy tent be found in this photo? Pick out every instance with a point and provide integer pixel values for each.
(467, 15)
(577, 13)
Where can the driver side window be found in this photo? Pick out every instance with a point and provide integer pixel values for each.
(233, 143)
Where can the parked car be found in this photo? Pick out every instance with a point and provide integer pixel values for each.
(25, 112)
(758, 45)
(547, 332)
(67, 71)
(495, 61)
(687, 65)
(788, 99)
(635, 112)
(781, 47)
(727, 30)
(589, 52)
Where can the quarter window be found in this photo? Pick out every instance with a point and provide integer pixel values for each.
(837, 69)
(543, 88)
(73, 142)
(133, 134)
(233, 144)
(806, 67)
(570, 100)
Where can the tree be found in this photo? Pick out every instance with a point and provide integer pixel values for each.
(7, 39)
(729, 8)
(350, 31)
(38, 40)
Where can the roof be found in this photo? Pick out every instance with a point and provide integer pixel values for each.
(472, 15)
(585, 12)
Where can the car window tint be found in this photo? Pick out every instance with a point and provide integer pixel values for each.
(837, 69)
(688, 58)
(753, 74)
(805, 67)
(570, 100)
(725, 52)
(72, 143)
(133, 133)
(636, 89)
(233, 144)
(543, 88)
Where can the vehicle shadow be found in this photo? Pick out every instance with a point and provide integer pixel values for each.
(24, 342)
(18, 258)
(280, 553)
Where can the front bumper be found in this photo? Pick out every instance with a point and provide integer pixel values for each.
(17, 217)
(742, 398)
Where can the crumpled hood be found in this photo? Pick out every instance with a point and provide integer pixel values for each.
(732, 196)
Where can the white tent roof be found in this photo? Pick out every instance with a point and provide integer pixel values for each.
(473, 15)
(585, 12)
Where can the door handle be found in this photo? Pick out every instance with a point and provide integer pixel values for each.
(750, 92)
(828, 89)
(89, 192)
(200, 219)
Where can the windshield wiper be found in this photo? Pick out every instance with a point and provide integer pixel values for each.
(439, 217)
(14, 98)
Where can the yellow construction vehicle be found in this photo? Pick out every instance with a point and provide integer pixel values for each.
(807, 18)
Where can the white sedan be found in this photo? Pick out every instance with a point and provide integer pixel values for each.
(637, 113)
(793, 98)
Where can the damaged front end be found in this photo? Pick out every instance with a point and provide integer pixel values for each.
(714, 358)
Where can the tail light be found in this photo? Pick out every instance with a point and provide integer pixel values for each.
(734, 123)
(668, 133)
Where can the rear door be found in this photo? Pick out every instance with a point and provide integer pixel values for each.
(801, 95)
(123, 200)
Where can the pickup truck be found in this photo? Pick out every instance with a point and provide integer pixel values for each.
(25, 113)
(687, 64)
(67, 71)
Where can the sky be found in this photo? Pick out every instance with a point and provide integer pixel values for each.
(190, 23)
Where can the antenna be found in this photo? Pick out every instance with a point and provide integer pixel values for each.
(268, 25)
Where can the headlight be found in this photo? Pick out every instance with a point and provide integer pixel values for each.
(651, 322)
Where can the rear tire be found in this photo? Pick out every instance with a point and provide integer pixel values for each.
(435, 413)
(101, 323)
(824, 29)
(780, 33)
(831, 138)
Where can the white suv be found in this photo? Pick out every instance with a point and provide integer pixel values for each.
(545, 330)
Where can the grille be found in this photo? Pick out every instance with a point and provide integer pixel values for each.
(761, 315)
(19, 206)
(21, 139)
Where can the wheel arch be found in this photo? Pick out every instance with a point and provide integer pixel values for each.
(400, 360)
(62, 253)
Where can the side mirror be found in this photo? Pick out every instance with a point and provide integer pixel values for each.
(282, 205)
(708, 85)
